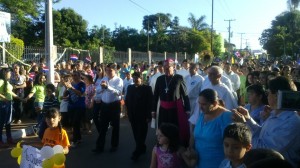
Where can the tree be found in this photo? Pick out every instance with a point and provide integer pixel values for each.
(70, 29)
(197, 24)
(282, 37)
(293, 4)
(16, 48)
(22, 13)
(159, 21)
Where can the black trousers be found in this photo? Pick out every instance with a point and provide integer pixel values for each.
(76, 115)
(96, 115)
(17, 109)
(109, 113)
(139, 129)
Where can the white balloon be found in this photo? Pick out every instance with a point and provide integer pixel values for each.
(47, 152)
(58, 149)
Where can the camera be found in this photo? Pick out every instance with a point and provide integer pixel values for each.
(288, 100)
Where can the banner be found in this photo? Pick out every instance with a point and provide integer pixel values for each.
(5, 27)
(31, 157)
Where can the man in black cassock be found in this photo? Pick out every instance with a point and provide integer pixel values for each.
(138, 102)
(174, 102)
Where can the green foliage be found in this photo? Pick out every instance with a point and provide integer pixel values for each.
(70, 29)
(282, 37)
(109, 54)
(16, 48)
(197, 24)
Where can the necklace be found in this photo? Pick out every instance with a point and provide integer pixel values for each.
(167, 83)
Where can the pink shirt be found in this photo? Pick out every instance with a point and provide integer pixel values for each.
(165, 159)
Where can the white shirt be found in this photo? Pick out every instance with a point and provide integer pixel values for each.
(193, 85)
(235, 80)
(224, 80)
(114, 89)
(64, 103)
(224, 94)
(126, 83)
(183, 72)
(153, 80)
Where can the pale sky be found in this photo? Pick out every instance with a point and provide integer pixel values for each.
(251, 17)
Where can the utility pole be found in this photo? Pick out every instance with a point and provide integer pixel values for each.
(49, 40)
(229, 29)
(148, 41)
(241, 46)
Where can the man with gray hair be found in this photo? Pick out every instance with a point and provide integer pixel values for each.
(224, 94)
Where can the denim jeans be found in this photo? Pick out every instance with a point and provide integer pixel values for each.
(5, 118)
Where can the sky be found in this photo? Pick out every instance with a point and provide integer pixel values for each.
(250, 17)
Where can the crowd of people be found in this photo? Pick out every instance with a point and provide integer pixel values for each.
(219, 115)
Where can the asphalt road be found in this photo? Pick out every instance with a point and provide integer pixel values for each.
(82, 157)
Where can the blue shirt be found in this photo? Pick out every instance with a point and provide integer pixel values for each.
(76, 101)
(279, 132)
(227, 164)
(255, 113)
(209, 140)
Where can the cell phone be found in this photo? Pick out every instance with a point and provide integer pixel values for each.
(288, 100)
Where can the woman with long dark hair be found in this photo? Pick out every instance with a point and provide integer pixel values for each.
(6, 96)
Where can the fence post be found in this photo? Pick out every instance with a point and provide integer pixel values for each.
(165, 55)
(149, 57)
(176, 56)
(101, 55)
(184, 55)
(129, 56)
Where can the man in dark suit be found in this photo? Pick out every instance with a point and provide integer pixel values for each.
(138, 102)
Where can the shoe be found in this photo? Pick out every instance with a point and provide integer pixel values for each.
(97, 150)
(113, 149)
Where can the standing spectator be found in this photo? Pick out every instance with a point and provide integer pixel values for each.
(64, 102)
(89, 100)
(111, 86)
(18, 82)
(6, 96)
(193, 83)
(174, 102)
(154, 77)
(257, 100)
(38, 91)
(76, 108)
(97, 98)
(281, 129)
(51, 101)
(138, 102)
(126, 82)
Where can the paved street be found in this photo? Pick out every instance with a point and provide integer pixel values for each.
(82, 157)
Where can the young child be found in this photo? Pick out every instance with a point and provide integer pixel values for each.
(55, 134)
(236, 142)
(166, 152)
(50, 101)
(64, 100)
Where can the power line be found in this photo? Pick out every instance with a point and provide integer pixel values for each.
(140, 6)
